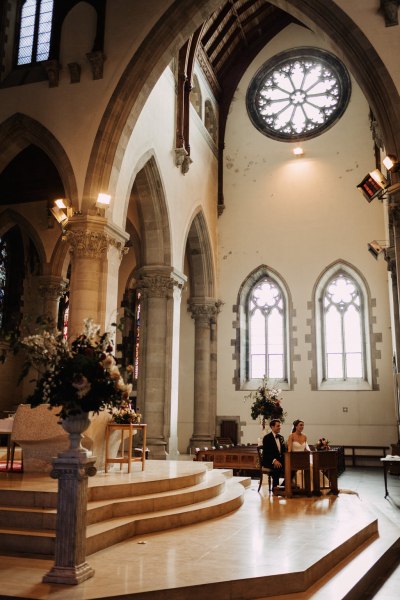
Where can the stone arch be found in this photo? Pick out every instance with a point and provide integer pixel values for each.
(153, 215)
(371, 340)
(241, 343)
(19, 131)
(9, 218)
(179, 21)
(202, 274)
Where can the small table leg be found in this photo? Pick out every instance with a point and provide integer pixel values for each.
(144, 448)
(385, 467)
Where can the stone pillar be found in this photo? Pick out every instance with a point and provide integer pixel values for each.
(51, 288)
(96, 250)
(204, 314)
(156, 285)
(72, 472)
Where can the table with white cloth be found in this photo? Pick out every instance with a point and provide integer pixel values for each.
(387, 462)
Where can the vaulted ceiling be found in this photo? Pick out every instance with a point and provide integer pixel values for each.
(231, 38)
(238, 30)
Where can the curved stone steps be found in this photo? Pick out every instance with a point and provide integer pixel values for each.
(120, 512)
(105, 534)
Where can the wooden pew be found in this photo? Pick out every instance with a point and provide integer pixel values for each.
(238, 458)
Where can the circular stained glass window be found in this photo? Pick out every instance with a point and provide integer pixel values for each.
(298, 94)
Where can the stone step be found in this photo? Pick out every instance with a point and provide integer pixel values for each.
(30, 531)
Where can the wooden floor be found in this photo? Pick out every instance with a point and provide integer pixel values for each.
(269, 539)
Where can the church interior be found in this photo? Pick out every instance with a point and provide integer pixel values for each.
(229, 197)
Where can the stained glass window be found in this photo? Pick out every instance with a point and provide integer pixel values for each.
(35, 31)
(343, 331)
(298, 94)
(266, 313)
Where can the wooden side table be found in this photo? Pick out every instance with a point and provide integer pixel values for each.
(327, 462)
(131, 429)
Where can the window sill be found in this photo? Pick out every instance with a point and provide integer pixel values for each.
(344, 386)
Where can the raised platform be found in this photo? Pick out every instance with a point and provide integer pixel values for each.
(334, 546)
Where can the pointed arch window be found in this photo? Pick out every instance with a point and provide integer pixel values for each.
(266, 330)
(263, 338)
(343, 345)
(343, 331)
(35, 31)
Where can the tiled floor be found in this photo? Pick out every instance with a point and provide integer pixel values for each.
(266, 535)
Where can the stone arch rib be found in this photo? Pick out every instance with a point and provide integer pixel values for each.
(154, 221)
(200, 259)
(181, 19)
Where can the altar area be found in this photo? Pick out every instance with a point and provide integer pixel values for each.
(257, 547)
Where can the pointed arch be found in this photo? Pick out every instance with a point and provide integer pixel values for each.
(155, 230)
(172, 30)
(199, 252)
(9, 218)
(242, 377)
(320, 379)
(19, 131)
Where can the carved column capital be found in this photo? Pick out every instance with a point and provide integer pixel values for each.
(205, 312)
(92, 238)
(96, 60)
(158, 282)
(51, 287)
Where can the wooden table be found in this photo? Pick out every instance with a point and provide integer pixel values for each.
(327, 462)
(387, 462)
(131, 429)
(297, 461)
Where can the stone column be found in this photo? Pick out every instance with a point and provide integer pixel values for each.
(51, 288)
(156, 285)
(72, 472)
(204, 315)
(96, 250)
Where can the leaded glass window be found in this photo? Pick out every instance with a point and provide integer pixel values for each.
(298, 94)
(266, 330)
(35, 31)
(343, 329)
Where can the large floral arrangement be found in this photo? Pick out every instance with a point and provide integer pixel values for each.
(79, 376)
(266, 403)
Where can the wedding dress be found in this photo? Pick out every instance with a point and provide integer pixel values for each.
(297, 447)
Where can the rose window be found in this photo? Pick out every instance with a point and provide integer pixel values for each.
(298, 94)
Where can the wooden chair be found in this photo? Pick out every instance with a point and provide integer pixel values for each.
(264, 470)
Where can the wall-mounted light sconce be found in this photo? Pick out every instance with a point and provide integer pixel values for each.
(375, 185)
(102, 203)
(391, 163)
(61, 211)
(375, 248)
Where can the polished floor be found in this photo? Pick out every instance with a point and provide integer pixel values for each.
(267, 535)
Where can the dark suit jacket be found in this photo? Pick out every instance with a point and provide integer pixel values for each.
(270, 449)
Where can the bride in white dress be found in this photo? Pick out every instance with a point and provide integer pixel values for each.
(297, 441)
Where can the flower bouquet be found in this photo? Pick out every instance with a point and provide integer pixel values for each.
(125, 415)
(322, 444)
(266, 403)
(78, 377)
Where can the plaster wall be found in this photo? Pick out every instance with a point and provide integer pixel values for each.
(185, 194)
(298, 216)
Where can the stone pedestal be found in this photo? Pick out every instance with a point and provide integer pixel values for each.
(72, 472)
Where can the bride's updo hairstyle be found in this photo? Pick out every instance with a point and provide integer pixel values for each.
(295, 423)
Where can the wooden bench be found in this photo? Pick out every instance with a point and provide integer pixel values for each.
(238, 458)
(367, 453)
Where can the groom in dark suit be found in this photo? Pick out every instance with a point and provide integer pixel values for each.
(273, 449)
